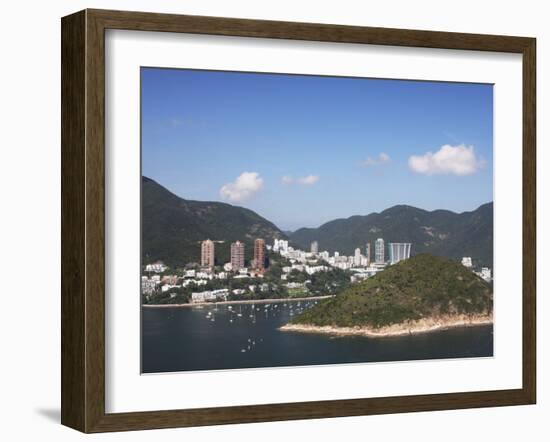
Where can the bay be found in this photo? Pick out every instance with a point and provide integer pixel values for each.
(247, 336)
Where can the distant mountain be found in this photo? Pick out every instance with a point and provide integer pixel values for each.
(173, 227)
(440, 232)
(418, 288)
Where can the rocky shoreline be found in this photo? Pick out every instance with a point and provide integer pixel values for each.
(425, 325)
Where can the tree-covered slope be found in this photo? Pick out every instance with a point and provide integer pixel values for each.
(172, 227)
(440, 232)
(423, 286)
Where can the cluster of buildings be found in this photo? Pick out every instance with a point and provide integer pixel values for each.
(485, 272)
(155, 283)
(361, 264)
(235, 269)
(208, 255)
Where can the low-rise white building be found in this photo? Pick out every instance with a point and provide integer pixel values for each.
(204, 275)
(467, 261)
(156, 267)
(167, 287)
(209, 295)
(241, 277)
(310, 270)
(485, 273)
(148, 286)
(202, 297)
(295, 285)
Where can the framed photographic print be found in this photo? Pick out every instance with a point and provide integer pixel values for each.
(270, 220)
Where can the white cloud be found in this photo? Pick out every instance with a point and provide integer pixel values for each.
(382, 158)
(243, 188)
(456, 160)
(308, 180)
(287, 179)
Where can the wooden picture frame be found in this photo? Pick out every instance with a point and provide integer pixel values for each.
(83, 220)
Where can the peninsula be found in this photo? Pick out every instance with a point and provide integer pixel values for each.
(422, 294)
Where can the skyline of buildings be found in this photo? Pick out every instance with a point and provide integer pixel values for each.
(359, 266)
(397, 252)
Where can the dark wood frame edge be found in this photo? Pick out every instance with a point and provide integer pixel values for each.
(83, 215)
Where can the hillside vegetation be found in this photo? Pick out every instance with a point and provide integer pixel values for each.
(173, 227)
(421, 287)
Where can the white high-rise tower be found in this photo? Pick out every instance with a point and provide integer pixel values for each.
(379, 251)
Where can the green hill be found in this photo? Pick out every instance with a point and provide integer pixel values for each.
(172, 227)
(440, 232)
(423, 286)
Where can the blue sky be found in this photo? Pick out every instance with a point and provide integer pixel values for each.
(303, 150)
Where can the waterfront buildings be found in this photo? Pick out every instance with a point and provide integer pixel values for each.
(259, 254)
(315, 247)
(379, 251)
(467, 262)
(237, 256)
(209, 295)
(399, 251)
(207, 253)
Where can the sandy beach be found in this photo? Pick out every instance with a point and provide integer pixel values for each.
(425, 325)
(244, 301)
